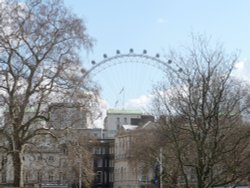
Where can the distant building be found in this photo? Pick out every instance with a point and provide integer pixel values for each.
(104, 163)
(128, 174)
(121, 124)
(116, 118)
(65, 115)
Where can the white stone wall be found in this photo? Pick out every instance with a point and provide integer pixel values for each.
(115, 121)
(127, 175)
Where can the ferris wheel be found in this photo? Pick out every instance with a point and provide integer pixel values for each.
(126, 79)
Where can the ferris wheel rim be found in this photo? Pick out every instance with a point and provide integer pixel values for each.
(122, 57)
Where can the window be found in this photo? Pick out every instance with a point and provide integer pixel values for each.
(118, 121)
(118, 127)
(61, 177)
(4, 161)
(111, 177)
(99, 162)
(3, 177)
(51, 177)
(105, 177)
(125, 120)
(51, 158)
(27, 177)
(121, 173)
(105, 161)
(98, 150)
(111, 150)
(144, 179)
(64, 164)
(103, 150)
(39, 177)
(181, 179)
(65, 151)
(111, 163)
(192, 177)
(99, 177)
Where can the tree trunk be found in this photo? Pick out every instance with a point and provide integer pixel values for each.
(18, 169)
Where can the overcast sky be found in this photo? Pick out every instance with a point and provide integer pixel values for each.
(157, 25)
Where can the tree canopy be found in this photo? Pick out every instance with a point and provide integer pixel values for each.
(39, 66)
(203, 109)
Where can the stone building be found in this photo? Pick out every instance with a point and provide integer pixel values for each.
(127, 173)
(46, 158)
(122, 123)
(116, 118)
(58, 161)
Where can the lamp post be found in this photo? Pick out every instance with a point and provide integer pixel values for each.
(161, 168)
(80, 175)
(80, 171)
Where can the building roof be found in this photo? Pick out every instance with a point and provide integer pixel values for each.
(124, 111)
(129, 127)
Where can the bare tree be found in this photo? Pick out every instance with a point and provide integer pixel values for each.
(39, 64)
(144, 152)
(153, 152)
(79, 158)
(203, 111)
